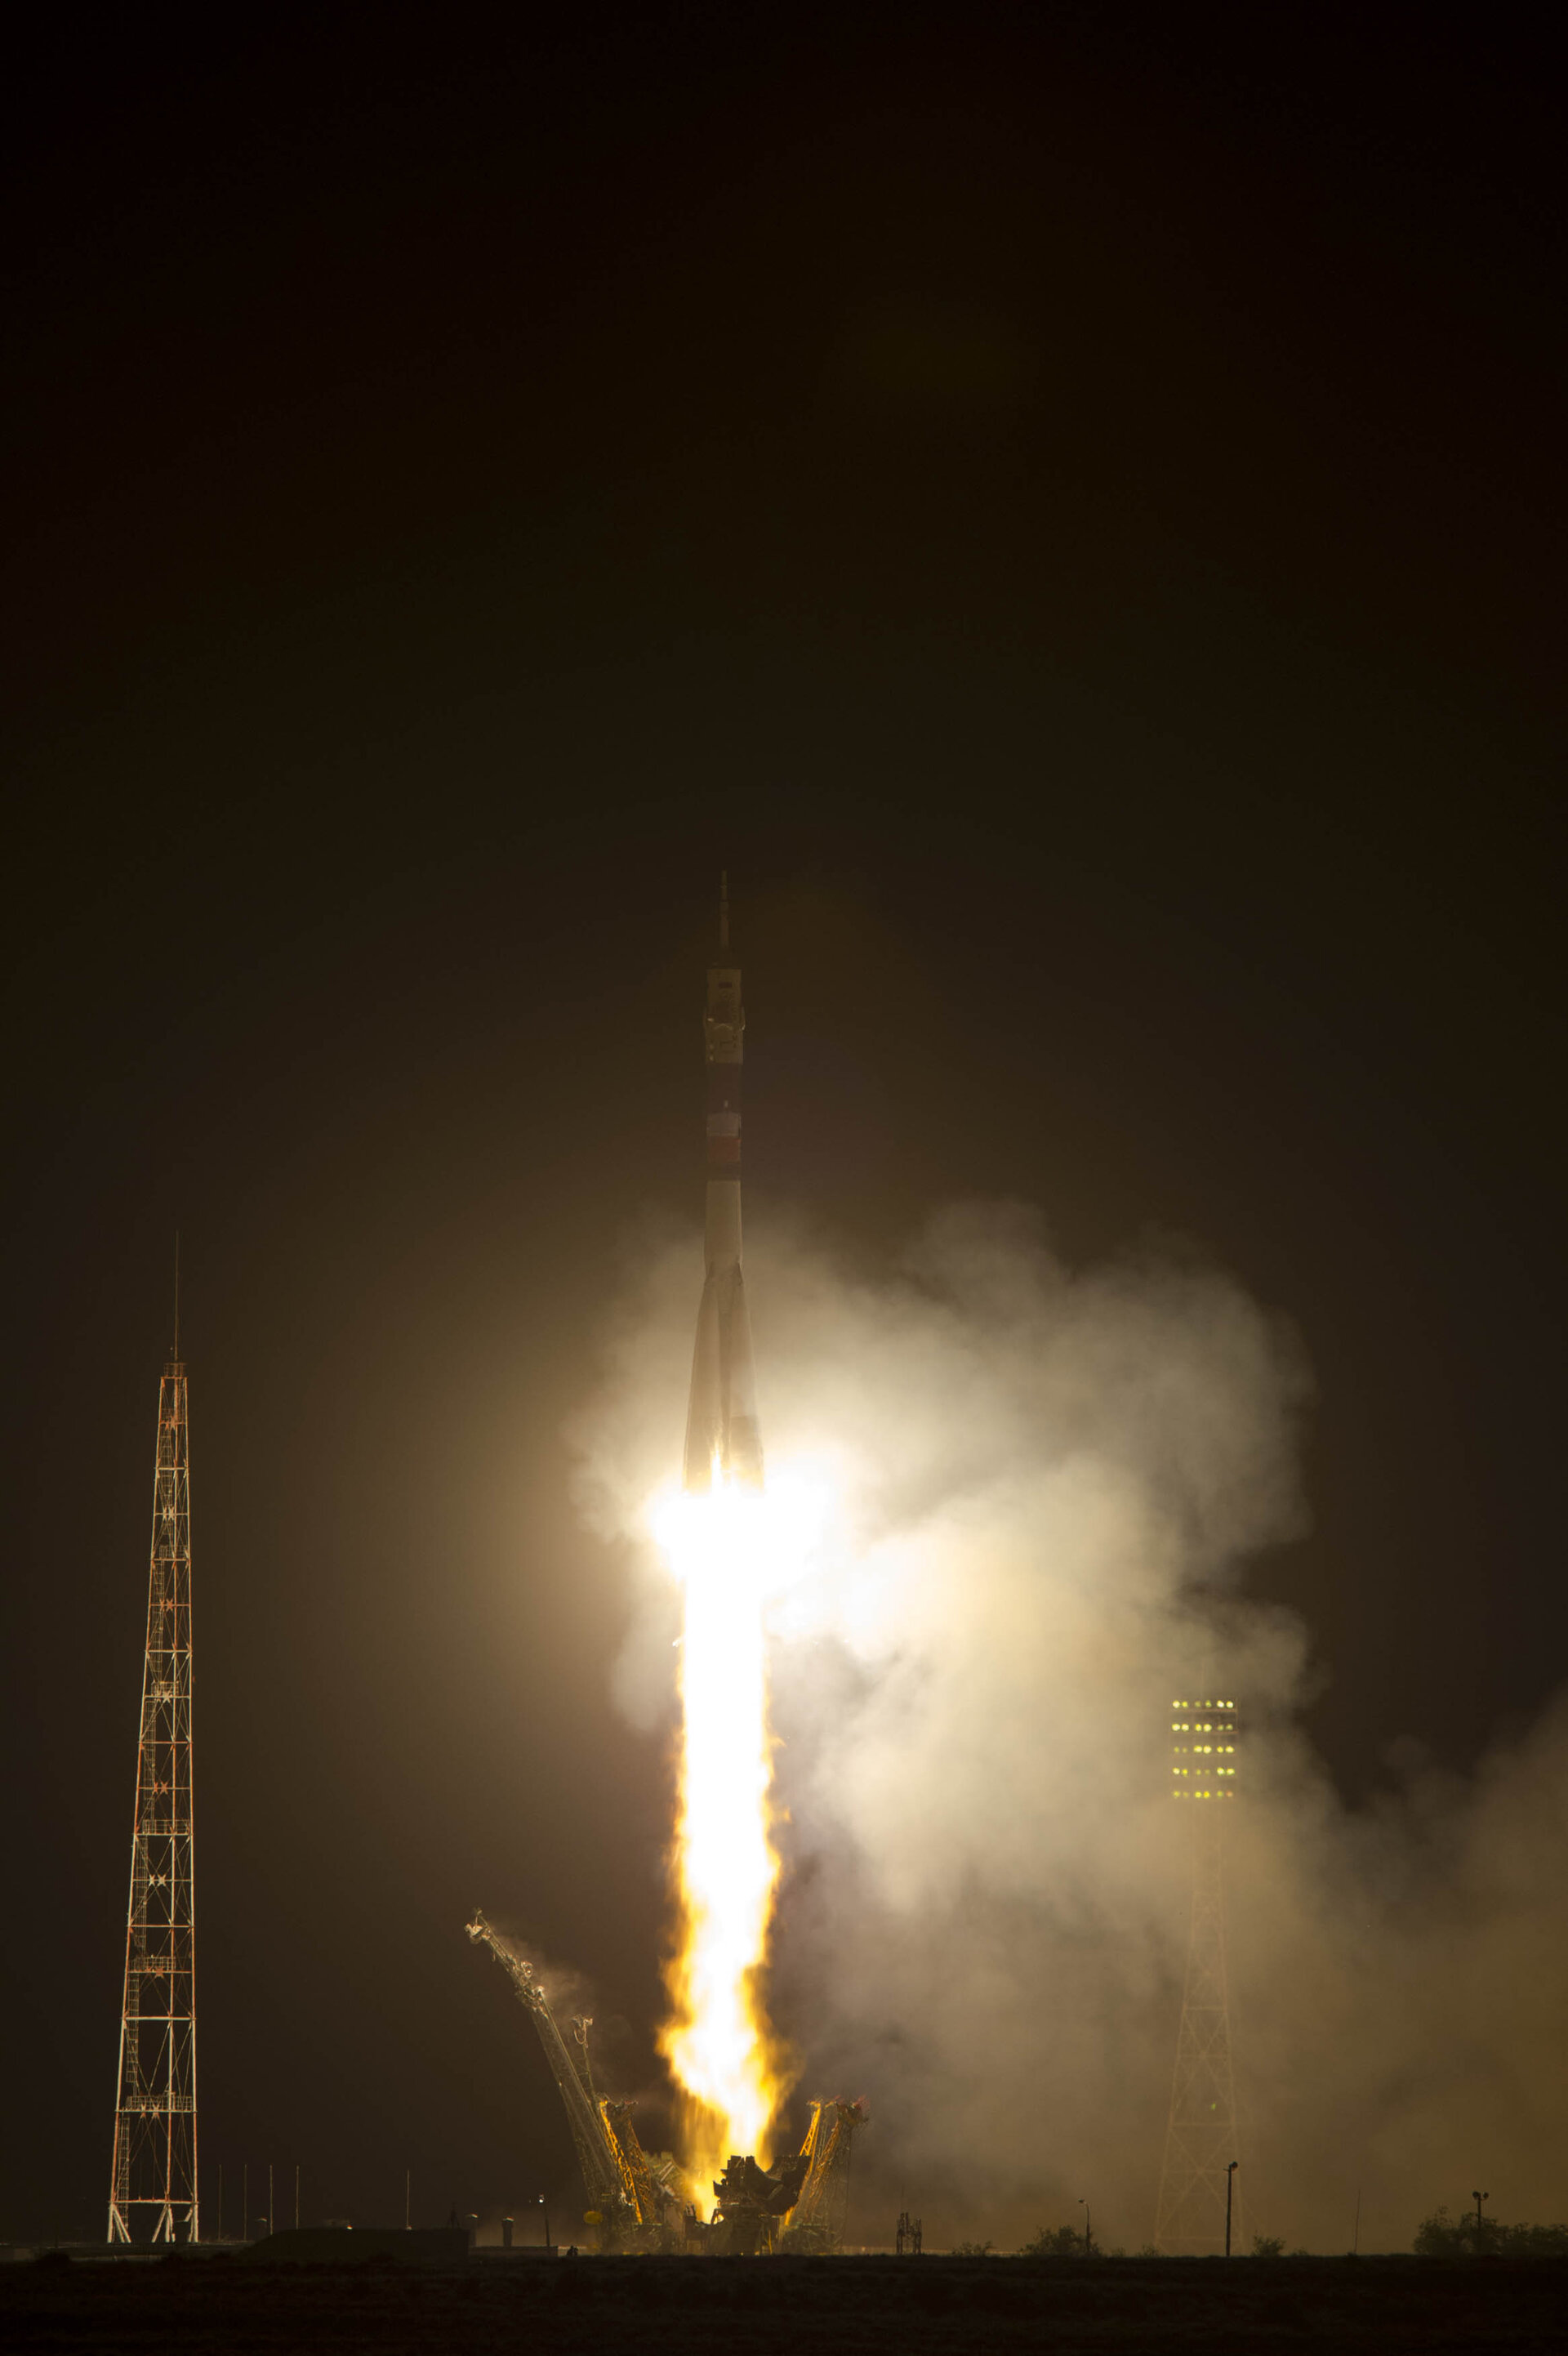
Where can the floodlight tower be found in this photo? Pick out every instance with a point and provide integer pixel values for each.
(153, 2179)
(1201, 2139)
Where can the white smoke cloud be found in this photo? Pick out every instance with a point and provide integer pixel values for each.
(1048, 1483)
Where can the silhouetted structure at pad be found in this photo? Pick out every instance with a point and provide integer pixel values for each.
(636, 2198)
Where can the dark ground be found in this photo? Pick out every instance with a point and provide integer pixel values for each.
(845, 2303)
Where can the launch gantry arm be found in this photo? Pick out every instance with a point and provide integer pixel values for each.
(603, 2174)
(817, 2220)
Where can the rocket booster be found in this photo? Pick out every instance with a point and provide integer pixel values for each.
(722, 1440)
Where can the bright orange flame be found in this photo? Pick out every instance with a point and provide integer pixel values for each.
(718, 2040)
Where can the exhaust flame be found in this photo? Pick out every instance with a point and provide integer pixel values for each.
(732, 1550)
(716, 2039)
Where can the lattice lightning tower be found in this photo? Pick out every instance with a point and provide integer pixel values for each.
(153, 2180)
(1202, 2137)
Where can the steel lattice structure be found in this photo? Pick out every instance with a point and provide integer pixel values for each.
(821, 2212)
(152, 2180)
(1201, 2138)
(604, 2176)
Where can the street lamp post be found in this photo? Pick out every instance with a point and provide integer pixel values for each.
(1088, 2230)
(1478, 2198)
(1230, 2189)
(544, 2212)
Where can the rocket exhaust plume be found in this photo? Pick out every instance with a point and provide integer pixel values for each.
(1009, 1499)
(715, 1535)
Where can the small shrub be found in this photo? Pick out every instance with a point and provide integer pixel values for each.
(1055, 2241)
(1534, 2241)
(1438, 2236)
(1268, 2245)
(971, 2249)
(1443, 2236)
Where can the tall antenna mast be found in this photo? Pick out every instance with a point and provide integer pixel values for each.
(153, 2175)
(1200, 2138)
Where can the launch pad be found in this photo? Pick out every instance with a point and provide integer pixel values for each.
(637, 2199)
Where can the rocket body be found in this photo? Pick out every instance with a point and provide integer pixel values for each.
(723, 1439)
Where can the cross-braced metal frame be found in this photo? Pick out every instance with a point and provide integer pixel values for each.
(1202, 2137)
(153, 2180)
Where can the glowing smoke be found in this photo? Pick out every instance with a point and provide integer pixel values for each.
(1046, 1484)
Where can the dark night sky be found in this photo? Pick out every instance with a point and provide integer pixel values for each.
(1072, 518)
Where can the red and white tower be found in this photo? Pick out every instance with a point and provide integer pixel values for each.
(153, 2182)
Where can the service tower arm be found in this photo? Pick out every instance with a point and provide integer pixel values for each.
(602, 2173)
(816, 2221)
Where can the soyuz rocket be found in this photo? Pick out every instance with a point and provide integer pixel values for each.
(722, 1440)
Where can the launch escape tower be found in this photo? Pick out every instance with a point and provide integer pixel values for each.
(1201, 2139)
(153, 2179)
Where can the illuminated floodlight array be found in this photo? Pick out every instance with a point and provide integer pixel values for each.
(1204, 1768)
